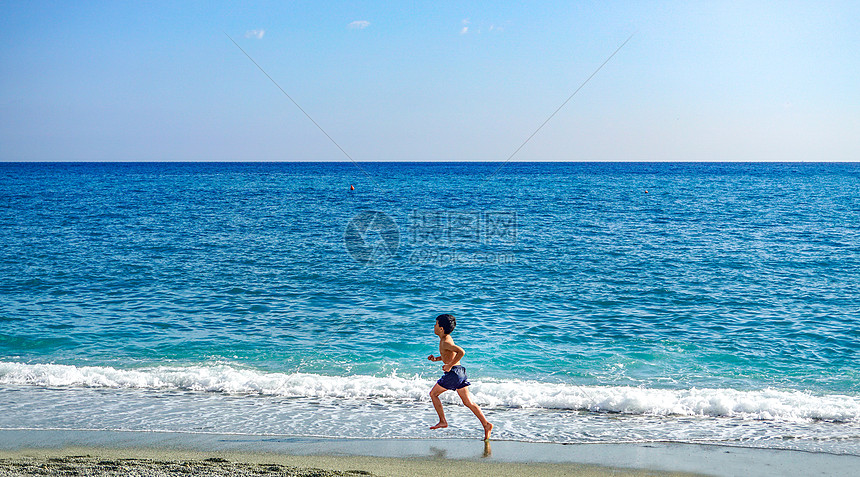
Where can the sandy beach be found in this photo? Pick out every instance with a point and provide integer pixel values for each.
(61, 452)
(154, 462)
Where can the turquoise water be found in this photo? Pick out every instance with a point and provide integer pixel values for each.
(711, 302)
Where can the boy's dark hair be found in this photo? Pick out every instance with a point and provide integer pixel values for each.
(447, 322)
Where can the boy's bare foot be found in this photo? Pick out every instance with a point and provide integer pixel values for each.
(488, 428)
(440, 425)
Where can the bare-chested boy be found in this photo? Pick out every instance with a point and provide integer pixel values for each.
(455, 375)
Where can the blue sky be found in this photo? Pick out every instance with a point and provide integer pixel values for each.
(699, 81)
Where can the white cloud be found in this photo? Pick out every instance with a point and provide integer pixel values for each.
(359, 24)
(258, 34)
(477, 28)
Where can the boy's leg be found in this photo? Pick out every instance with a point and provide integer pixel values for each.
(467, 401)
(437, 404)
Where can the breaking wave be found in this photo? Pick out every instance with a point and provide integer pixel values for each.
(765, 404)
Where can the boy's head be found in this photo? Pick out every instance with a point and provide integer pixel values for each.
(446, 322)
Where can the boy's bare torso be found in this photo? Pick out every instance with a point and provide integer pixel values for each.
(448, 351)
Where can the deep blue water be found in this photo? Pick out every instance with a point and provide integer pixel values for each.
(663, 277)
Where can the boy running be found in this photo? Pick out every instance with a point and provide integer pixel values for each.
(454, 378)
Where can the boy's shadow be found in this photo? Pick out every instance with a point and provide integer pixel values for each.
(439, 453)
(487, 451)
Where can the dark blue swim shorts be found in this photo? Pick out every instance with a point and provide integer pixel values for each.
(454, 379)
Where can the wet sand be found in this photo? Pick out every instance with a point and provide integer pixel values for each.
(154, 462)
(102, 452)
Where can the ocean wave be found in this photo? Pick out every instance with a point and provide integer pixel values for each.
(765, 404)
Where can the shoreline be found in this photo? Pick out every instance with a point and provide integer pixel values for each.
(408, 457)
(156, 462)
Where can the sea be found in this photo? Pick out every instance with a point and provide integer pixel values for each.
(596, 302)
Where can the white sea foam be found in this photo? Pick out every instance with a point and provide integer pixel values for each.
(766, 404)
